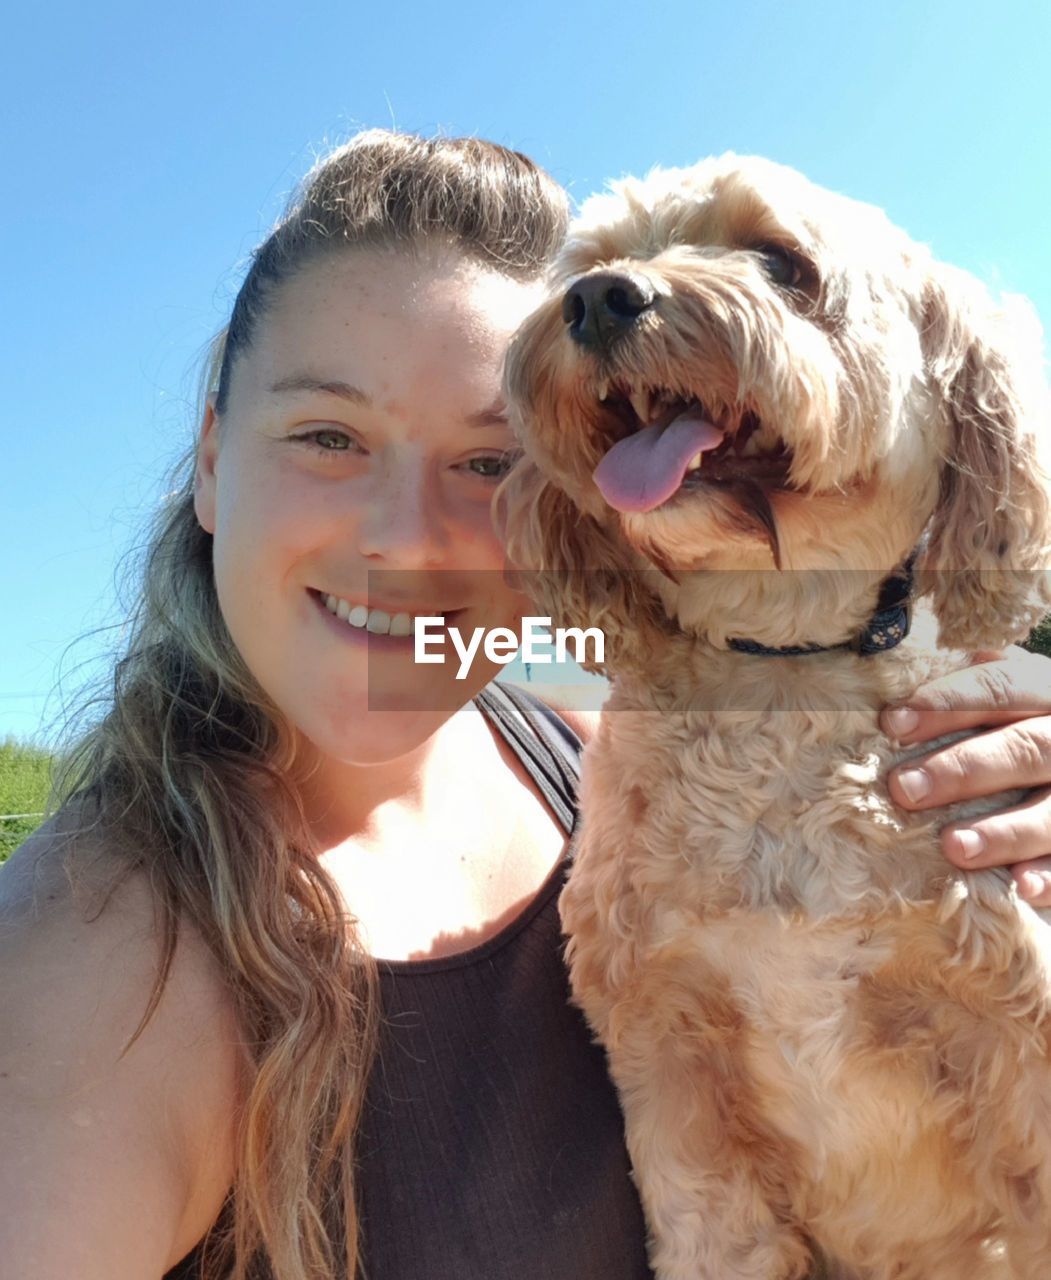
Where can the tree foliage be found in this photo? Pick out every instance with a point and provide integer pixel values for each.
(1040, 640)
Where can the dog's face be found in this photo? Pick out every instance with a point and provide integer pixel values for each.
(739, 370)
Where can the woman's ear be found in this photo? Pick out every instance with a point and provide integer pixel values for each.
(576, 569)
(204, 472)
(989, 542)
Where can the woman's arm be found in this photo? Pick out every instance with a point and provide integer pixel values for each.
(1005, 699)
(110, 1167)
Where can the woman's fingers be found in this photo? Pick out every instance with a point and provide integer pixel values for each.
(993, 690)
(1034, 881)
(1020, 836)
(1015, 756)
(1013, 692)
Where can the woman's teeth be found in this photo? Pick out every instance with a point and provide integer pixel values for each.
(378, 621)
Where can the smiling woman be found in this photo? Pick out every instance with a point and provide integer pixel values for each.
(270, 855)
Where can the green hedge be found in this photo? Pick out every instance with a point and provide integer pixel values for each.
(25, 774)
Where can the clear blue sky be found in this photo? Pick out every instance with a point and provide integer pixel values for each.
(147, 148)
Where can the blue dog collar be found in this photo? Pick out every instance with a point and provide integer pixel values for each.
(886, 629)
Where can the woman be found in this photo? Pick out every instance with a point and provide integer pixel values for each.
(357, 1043)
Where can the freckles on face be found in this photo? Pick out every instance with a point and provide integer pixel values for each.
(362, 444)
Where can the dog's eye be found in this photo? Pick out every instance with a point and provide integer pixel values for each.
(781, 265)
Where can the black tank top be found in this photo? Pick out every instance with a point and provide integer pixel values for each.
(492, 1144)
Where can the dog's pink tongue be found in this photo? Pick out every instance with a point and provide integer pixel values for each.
(644, 470)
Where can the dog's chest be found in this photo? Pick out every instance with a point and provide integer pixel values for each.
(729, 811)
(757, 860)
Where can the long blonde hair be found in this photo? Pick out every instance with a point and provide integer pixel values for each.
(186, 776)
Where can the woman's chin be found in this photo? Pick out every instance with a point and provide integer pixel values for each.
(386, 714)
(365, 735)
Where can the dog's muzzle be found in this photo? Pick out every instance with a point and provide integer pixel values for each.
(602, 307)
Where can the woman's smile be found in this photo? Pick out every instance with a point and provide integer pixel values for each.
(386, 629)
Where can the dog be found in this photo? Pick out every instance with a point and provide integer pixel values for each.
(793, 467)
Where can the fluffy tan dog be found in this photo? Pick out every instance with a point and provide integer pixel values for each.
(748, 404)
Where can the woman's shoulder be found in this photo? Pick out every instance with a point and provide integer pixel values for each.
(71, 906)
(84, 1100)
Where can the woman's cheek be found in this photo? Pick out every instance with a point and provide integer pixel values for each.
(482, 546)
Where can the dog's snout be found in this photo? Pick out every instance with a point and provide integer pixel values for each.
(601, 307)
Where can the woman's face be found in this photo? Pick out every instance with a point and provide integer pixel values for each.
(356, 462)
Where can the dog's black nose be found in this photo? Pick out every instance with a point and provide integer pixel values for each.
(601, 307)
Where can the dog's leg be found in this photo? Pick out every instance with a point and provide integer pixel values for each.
(711, 1172)
(707, 1209)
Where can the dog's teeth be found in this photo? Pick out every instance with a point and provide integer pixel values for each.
(603, 389)
(640, 402)
(694, 462)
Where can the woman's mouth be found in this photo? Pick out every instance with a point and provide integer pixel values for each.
(390, 622)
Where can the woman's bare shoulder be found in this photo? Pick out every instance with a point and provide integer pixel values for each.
(85, 1114)
(68, 905)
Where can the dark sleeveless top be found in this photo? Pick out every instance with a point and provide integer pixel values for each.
(492, 1145)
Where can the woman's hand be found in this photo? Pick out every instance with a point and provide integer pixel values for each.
(1006, 700)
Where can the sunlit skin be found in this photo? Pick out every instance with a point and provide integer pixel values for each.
(365, 432)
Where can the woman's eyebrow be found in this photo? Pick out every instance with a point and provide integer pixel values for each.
(331, 386)
(493, 416)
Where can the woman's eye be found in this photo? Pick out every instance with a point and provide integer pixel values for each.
(492, 466)
(328, 440)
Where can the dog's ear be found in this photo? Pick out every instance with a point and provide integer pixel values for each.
(989, 542)
(575, 570)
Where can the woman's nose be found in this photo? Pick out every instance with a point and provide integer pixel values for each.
(404, 523)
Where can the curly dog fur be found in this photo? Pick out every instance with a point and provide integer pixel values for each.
(822, 1034)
